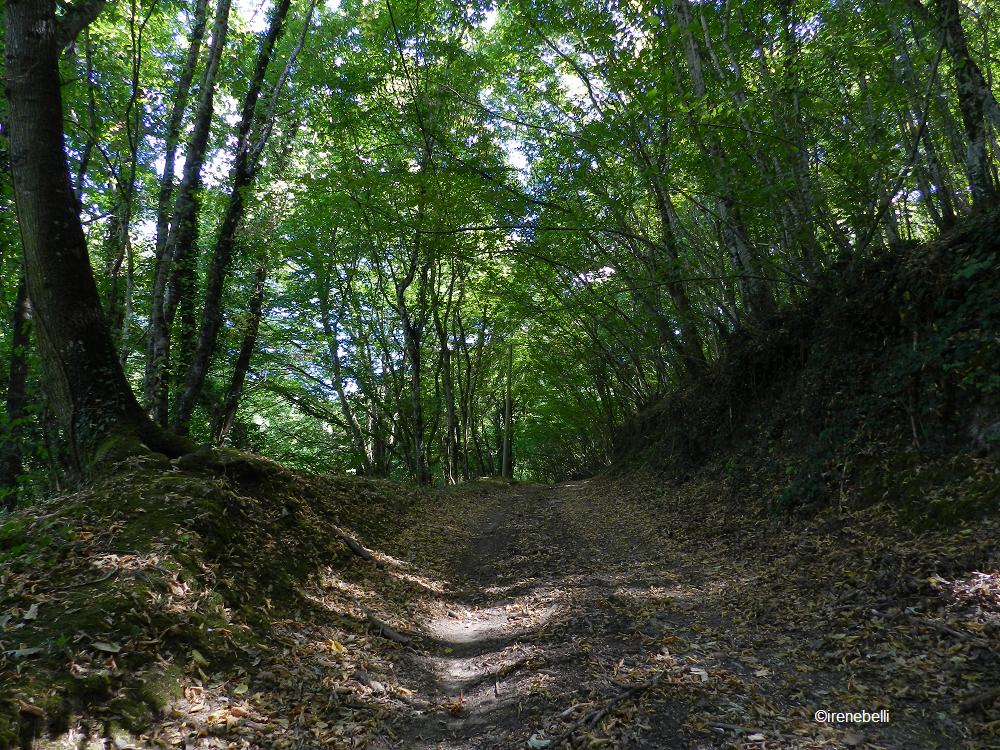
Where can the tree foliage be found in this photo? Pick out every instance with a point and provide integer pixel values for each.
(340, 233)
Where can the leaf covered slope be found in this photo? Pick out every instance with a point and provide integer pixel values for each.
(162, 580)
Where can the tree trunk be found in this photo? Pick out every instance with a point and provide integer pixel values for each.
(174, 124)
(153, 395)
(11, 449)
(442, 318)
(242, 366)
(936, 173)
(412, 337)
(243, 172)
(331, 330)
(176, 259)
(89, 394)
(507, 465)
(742, 253)
(975, 101)
(692, 347)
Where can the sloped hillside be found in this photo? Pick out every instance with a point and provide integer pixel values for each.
(884, 383)
(124, 597)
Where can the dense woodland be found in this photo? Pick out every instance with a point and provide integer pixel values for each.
(436, 240)
(441, 375)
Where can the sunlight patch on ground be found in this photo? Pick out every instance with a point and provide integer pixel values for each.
(424, 582)
(498, 591)
(387, 559)
(462, 625)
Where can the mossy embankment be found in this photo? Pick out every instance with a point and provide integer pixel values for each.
(111, 597)
(882, 384)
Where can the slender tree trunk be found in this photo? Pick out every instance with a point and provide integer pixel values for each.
(331, 331)
(242, 365)
(412, 339)
(412, 335)
(89, 393)
(442, 318)
(692, 347)
(172, 138)
(88, 148)
(379, 450)
(177, 262)
(975, 101)
(127, 178)
(743, 254)
(507, 465)
(244, 170)
(11, 448)
(936, 173)
(153, 395)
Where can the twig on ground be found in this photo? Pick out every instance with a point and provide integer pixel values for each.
(79, 584)
(571, 710)
(385, 630)
(353, 544)
(593, 717)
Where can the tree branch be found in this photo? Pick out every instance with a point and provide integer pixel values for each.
(78, 16)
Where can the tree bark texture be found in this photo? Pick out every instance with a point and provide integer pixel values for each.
(975, 101)
(507, 465)
(242, 365)
(88, 390)
(177, 262)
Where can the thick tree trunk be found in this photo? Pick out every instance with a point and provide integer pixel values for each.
(11, 449)
(89, 394)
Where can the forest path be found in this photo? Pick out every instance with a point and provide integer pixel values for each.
(622, 613)
(530, 617)
(587, 615)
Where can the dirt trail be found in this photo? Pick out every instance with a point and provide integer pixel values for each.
(626, 613)
(491, 651)
(622, 612)
(572, 615)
